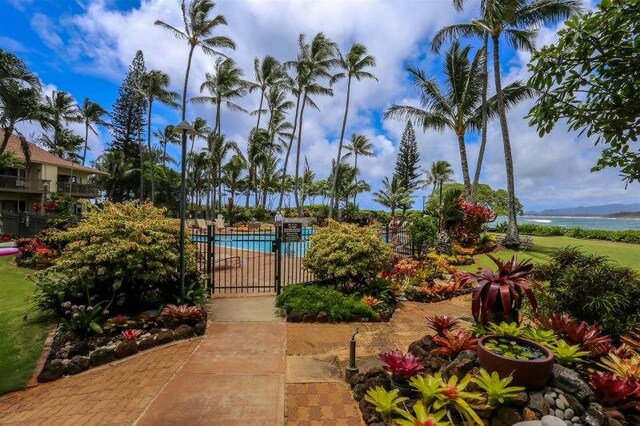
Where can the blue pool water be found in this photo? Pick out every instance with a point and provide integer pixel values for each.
(260, 241)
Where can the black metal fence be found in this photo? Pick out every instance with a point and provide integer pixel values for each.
(249, 260)
(23, 224)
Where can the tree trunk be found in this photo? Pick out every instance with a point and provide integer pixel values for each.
(465, 166)
(250, 178)
(186, 81)
(337, 170)
(151, 159)
(286, 158)
(141, 169)
(86, 141)
(164, 154)
(511, 239)
(220, 186)
(8, 131)
(355, 179)
(296, 183)
(260, 108)
(483, 142)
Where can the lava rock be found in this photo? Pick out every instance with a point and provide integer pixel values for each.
(595, 415)
(294, 317)
(375, 372)
(322, 317)
(570, 381)
(126, 348)
(460, 366)
(163, 337)
(508, 415)
(200, 328)
(102, 356)
(308, 318)
(359, 391)
(146, 343)
(369, 413)
(356, 379)
(51, 371)
(528, 414)
(538, 404)
(435, 363)
(416, 349)
(428, 343)
(77, 364)
(82, 348)
(520, 399)
(183, 332)
(575, 404)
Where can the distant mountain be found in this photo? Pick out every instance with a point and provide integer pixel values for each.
(606, 209)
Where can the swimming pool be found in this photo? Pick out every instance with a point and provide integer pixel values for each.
(259, 241)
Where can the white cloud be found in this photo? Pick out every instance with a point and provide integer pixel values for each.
(102, 41)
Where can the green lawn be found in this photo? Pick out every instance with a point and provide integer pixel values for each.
(20, 341)
(543, 247)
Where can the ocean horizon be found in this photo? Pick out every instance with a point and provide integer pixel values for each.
(586, 222)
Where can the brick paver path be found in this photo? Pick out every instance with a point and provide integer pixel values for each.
(116, 394)
(315, 404)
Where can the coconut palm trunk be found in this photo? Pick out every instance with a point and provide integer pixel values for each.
(337, 171)
(355, 177)
(153, 180)
(512, 238)
(483, 141)
(286, 158)
(465, 166)
(297, 175)
(86, 141)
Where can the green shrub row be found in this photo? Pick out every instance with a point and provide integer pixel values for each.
(628, 236)
(310, 299)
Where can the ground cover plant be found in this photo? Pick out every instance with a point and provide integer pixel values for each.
(322, 304)
(629, 236)
(21, 340)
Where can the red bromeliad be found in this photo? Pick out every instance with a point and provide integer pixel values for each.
(614, 391)
(452, 344)
(131, 334)
(442, 323)
(401, 366)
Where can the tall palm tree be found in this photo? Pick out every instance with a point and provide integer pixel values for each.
(439, 174)
(392, 195)
(359, 146)
(166, 136)
(261, 147)
(200, 131)
(218, 148)
(516, 21)
(353, 66)
(154, 86)
(63, 110)
(232, 177)
(118, 169)
(91, 113)
(268, 73)
(313, 64)
(224, 85)
(199, 26)
(268, 177)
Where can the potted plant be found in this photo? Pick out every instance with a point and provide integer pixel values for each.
(530, 363)
(499, 294)
(401, 368)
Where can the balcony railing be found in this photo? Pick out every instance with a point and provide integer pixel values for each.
(18, 184)
(72, 188)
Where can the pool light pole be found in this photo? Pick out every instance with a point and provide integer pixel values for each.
(184, 128)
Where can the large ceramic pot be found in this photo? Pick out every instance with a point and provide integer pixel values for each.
(532, 374)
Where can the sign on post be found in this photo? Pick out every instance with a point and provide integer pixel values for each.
(291, 232)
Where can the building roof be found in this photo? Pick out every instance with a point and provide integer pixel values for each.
(39, 155)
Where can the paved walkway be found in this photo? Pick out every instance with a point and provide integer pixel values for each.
(235, 376)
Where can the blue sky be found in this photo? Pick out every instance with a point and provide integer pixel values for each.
(84, 47)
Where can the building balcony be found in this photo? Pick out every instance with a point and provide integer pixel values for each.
(78, 189)
(19, 184)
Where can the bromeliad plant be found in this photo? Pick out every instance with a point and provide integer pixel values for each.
(423, 417)
(546, 338)
(566, 354)
(453, 395)
(622, 367)
(498, 390)
(506, 329)
(502, 290)
(451, 344)
(386, 402)
(182, 313)
(131, 334)
(442, 324)
(614, 391)
(401, 366)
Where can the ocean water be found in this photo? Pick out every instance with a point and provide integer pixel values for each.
(606, 223)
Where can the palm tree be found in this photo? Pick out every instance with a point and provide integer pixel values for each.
(268, 73)
(217, 150)
(224, 86)
(62, 110)
(261, 147)
(118, 169)
(91, 113)
(518, 21)
(353, 66)
(232, 177)
(392, 195)
(268, 177)
(165, 137)
(198, 31)
(359, 146)
(154, 85)
(200, 130)
(313, 63)
(458, 104)
(439, 174)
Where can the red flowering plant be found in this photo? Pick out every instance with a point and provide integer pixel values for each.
(467, 231)
(131, 334)
(442, 324)
(35, 253)
(401, 366)
(615, 391)
(451, 344)
(415, 277)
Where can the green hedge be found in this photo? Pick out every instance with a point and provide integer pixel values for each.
(310, 299)
(629, 236)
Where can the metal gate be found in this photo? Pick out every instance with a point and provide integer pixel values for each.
(245, 260)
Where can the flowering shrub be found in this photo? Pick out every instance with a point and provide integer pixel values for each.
(5, 237)
(467, 231)
(35, 253)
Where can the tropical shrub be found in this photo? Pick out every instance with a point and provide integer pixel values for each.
(345, 252)
(467, 231)
(35, 253)
(591, 288)
(136, 248)
(311, 300)
(6, 237)
(423, 232)
(501, 290)
(628, 236)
